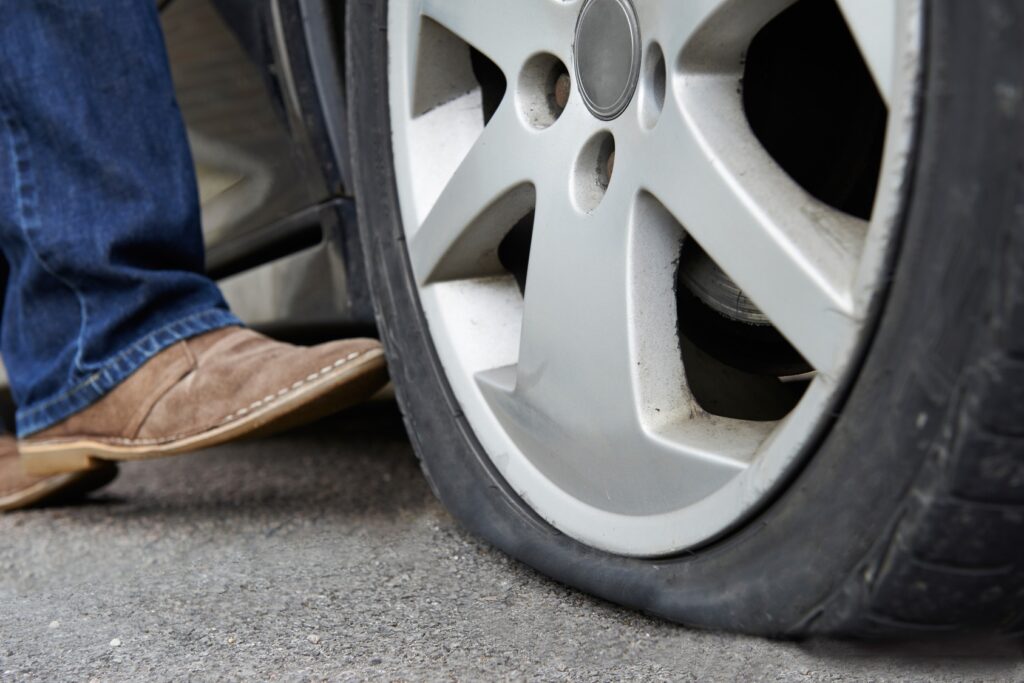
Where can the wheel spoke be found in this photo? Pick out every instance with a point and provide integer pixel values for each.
(490, 190)
(576, 320)
(574, 393)
(714, 34)
(795, 257)
(873, 25)
(507, 31)
(680, 19)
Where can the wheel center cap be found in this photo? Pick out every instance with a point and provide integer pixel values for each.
(607, 54)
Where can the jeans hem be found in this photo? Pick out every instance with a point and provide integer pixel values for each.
(49, 411)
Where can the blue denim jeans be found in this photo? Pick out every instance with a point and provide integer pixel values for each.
(99, 213)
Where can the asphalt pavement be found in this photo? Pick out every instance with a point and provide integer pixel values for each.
(322, 555)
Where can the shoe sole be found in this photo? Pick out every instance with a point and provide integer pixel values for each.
(69, 485)
(332, 392)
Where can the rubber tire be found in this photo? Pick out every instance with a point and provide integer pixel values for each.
(908, 518)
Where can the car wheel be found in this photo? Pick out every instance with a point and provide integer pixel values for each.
(712, 309)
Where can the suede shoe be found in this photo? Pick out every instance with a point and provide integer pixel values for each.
(208, 390)
(19, 489)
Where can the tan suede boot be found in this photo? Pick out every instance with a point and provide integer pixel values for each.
(208, 390)
(19, 489)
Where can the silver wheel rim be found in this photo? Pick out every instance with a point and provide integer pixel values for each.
(577, 391)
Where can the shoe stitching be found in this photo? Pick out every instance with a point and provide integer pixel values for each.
(270, 398)
(238, 413)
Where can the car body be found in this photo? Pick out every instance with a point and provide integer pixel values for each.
(260, 87)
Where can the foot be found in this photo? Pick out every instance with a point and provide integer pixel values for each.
(19, 489)
(209, 390)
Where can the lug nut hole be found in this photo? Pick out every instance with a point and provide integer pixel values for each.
(593, 172)
(544, 90)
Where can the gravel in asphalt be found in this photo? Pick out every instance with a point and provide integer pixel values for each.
(321, 555)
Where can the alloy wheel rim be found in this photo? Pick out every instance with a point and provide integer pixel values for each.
(576, 389)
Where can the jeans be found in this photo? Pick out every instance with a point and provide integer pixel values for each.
(99, 211)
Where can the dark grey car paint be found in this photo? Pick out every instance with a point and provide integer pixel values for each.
(260, 89)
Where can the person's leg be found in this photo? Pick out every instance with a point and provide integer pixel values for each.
(99, 215)
(118, 347)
